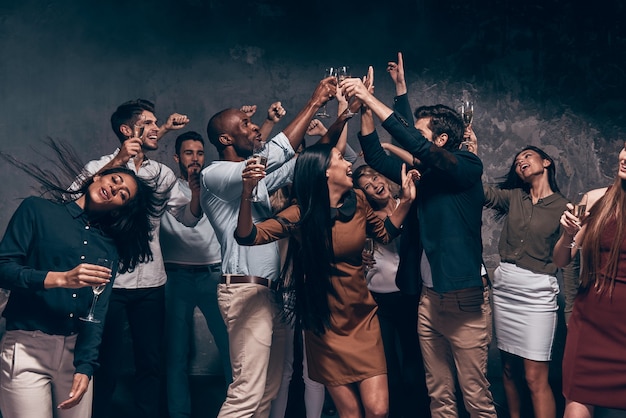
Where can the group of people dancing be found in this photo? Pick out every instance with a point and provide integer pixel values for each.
(402, 332)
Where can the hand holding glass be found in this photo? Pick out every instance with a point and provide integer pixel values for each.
(259, 156)
(138, 126)
(330, 72)
(97, 290)
(579, 211)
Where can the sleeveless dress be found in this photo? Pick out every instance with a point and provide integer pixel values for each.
(594, 362)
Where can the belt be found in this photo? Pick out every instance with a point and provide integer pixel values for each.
(240, 279)
(194, 268)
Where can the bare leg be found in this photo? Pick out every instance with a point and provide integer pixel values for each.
(510, 372)
(346, 400)
(577, 410)
(375, 396)
(540, 391)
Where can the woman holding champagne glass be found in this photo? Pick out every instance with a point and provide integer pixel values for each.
(594, 365)
(48, 261)
(327, 227)
(525, 286)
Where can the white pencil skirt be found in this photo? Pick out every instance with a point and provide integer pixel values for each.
(524, 311)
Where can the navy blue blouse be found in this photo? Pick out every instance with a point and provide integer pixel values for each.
(45, 236)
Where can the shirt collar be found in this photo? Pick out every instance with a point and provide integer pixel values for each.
(75, 210)
(346, 211)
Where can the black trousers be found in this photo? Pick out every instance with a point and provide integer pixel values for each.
(144, 311)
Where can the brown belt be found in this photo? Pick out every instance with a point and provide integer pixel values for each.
(241, 279)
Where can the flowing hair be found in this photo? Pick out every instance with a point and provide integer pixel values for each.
(513, 181)
(311, 259)
(130, 226)
(609, 208)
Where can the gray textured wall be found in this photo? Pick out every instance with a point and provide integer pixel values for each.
(542, 73)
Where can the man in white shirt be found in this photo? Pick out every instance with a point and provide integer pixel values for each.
(139, 296)
(193, 264)
(246, 296)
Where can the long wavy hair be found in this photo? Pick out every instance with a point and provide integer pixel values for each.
(513, 181)
(131, 226)
(312, 258)
(609, 208)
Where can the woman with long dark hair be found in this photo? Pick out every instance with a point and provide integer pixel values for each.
(525, 286)
(594, 365)
(327, 226)
(48, 262)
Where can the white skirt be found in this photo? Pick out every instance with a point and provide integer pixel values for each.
(524, 311)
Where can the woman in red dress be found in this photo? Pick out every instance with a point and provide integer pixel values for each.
(594, 363)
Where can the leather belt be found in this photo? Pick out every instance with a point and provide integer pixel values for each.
(194, 268)
(241, 279)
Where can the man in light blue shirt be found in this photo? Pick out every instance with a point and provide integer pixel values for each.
(246, 296)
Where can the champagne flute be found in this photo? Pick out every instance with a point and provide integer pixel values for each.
(343, 73)
(579, 211)
(330, 72)
(97, 290)
(259, 156)
(138, 126)
(467, 112)
(368, 250)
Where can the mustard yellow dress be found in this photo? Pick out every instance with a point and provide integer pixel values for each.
(351, 350)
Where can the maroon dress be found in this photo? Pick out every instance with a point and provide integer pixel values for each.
(594, 362)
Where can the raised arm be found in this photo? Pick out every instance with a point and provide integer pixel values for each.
(174, 122)
(396, 72)
(325, 90)
(275, 113)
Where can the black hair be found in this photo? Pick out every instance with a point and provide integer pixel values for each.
(130, 226)
(443, 119)
(312, 257)
(186, 136)
(216, 127)
(127, 114)
(512, 180)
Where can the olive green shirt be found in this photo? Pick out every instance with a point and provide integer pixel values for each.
(530, 231)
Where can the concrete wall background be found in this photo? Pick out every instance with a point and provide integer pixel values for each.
(542, 73)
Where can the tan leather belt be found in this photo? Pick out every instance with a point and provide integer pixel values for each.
(241, 279)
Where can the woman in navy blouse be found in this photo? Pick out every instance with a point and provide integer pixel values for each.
(48, 262)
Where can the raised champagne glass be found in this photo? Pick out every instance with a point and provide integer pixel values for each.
(329, 72)
(259, 156)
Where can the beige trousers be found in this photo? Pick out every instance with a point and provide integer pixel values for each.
(36, 374)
